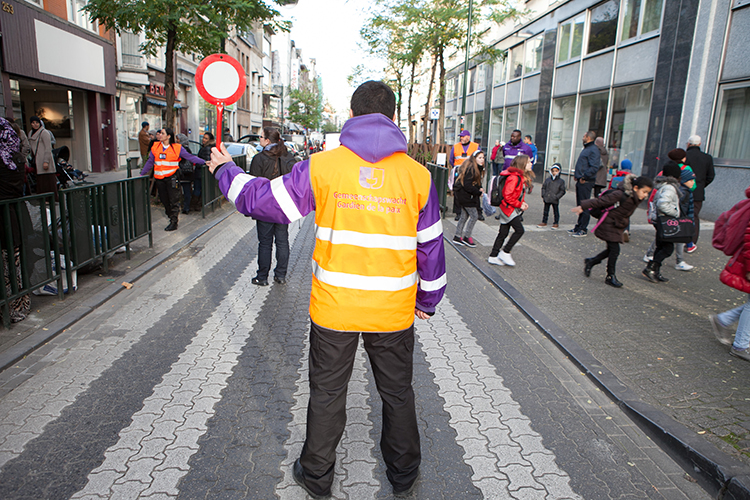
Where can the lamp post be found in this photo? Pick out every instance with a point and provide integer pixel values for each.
(466, 65)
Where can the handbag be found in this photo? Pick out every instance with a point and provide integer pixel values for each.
(674, 229)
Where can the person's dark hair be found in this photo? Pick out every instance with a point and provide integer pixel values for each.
(529, 138)
(274, 136)
(170, 133)
(373, 97)
(643, 182)
(672, 169)
(210, 136)
(516, 130)
(590, 135)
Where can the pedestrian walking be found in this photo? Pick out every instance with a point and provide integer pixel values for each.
(666, 202)
(529, 141)
(376, 265)
(468, 189)
(494, 158)
(144, 141)
(736, 274)
(187, 174)
(40, 141)
(514, 147)
(520, 176)
(164, 159)
(208, 141)
(703, 167)
(601, 175)
(274, 161)
(617, 205)
(459, 153)
(587, 166)
(553, 189)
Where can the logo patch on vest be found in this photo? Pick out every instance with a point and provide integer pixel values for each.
(371, 178)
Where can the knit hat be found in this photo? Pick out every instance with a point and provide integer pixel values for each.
(555, 165)
(464, 133)
(626, 164)
(672, 169)
(34, 119)
(677, 155)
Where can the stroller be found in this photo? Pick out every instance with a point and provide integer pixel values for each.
(65, 171)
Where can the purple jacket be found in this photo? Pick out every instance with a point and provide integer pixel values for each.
(372, 137)
(510, 151)
(184, 155)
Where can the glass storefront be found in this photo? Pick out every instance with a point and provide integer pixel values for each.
(731, 137)
(561, 131)
(629, 123)
(496, 126)
(476, 130)
(511, 122)
(592, 115)
(527, 124)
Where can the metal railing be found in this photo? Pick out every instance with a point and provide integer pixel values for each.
(211, 195)
(439, 176)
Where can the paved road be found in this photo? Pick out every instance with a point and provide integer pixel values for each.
(194, 385)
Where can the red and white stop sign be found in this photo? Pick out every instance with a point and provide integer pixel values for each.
(221, 81)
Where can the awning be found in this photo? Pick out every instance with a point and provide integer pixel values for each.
(163, 104)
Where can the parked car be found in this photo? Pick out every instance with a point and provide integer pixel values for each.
(296, 150)
(245, 139)
(238, 149)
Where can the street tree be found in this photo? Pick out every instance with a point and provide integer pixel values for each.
(189, 26)
(306, 106)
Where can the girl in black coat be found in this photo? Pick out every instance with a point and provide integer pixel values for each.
(468, 192)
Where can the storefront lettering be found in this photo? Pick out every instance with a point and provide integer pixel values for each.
(156, 89)
(8, 8)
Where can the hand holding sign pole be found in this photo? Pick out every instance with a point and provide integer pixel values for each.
(221, 81)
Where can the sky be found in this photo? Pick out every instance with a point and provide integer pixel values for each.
(329, 32)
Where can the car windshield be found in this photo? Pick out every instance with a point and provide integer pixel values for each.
(235, 149)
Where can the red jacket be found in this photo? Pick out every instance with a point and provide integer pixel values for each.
(513, 191)
(494, 153)
(735, 273)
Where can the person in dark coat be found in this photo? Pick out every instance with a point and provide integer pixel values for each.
(587, 166)
(621, 203)
(703, 168)
(274, 161)
(601, 175)
(553, 190)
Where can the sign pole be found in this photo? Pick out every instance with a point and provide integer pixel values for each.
(219, 123)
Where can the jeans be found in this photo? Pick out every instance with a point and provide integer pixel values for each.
(518, 231)
(555, 211)
(611, 254)
(583, 192)
(468, 213)
(331, 360)
(267, 232)
(741, 314)
(496, 168)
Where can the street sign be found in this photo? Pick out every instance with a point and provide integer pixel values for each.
(434, 114)
(221, 81)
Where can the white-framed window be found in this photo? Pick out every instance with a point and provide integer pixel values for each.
(78, 16)
(533, 59)
(603, 26)
(130, 47)
(158, 59)
(640, 17)
(450, 88)
(516, 61)
(500, 72)
(38, 3)
(570, 40)
(730, 138)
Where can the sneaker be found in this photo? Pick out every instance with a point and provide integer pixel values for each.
(579, 234)
(740, 353)
(691, 248)
(722, 333)
(469, 242)
(457, 240)
(555, 226)
(572, 231)
(648, 258)
(496, 261)
(543, 224)
(684, 266)
(506, 258)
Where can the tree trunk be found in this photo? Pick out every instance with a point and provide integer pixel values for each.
(428, 104)
(439, 139)
(400, 96)
(169, 76)
(411, 93)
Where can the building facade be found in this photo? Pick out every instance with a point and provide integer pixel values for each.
(643, 74)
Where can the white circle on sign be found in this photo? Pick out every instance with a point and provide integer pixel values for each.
(221, 80)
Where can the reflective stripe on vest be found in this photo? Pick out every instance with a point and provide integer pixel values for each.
(167, 166)
(458, 151)
(365, 259)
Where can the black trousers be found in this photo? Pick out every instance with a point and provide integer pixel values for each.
(611, 254)
(697, 205)
(267, 233)
(555, 211)
(583, 192)
(518, 230)
(331, 360)
(663, 250)
(169, 195)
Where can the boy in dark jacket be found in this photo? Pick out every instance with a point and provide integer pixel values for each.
(619, 204)
(552, 190)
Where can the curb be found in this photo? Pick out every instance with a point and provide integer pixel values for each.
(47, 332)
(719, 474)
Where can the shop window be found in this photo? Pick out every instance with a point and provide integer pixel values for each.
(534, 54)
(571, 39)
(496, 126)
(516, 61)
(527, 124)
(603, 26)
(592, 115)
(501, 69)
(561, 131)
(511, 122)
(631, 107)
(731, 137)
(640, 16)
(477, 130)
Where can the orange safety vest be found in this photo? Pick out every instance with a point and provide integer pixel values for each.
(365, 259)
(166, 161)
(458, 152)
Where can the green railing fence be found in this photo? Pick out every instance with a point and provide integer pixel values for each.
(440, 178)
(210, 193)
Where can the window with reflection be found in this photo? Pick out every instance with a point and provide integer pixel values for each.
(640, 17)
(516, 61)
(501, 69)
(478, 127)
(571, 39)
(534, 53)
(511, 122)
(527, 123)
(561, 131)
(496, 125)
(472, 79)
(603, 26)
(731, 138)
(592, 115)
(631, 107)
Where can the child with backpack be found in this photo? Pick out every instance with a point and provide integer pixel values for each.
(514, 183)
(732, 236)
(467, 188)
(553, 190)
(614, 207)
(666, 203)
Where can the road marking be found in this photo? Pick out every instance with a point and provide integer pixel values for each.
(26, 410)
(507, 456)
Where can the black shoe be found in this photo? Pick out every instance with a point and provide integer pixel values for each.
(588, 264)
(497, 217)
(408, 491)
(171, 227)
(299, 477)
(612, 281)
(280, 281)
(457, 217)
(457, 241)
(481, 217)
(185, 211)
(259, 282)
(650, 272)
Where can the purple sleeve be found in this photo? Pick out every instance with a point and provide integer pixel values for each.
(451, 157)
(281, 200)
(191, 158)
(430, 255)
(149, 164)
